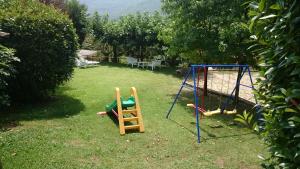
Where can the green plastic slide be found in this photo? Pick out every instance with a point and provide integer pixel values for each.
(125, 103)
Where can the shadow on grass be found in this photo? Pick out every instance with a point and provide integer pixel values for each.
(211, 136)
(116, 122)
(113, 118)
(213, 102)
(61, 106)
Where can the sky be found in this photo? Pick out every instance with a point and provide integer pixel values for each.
(116, 8)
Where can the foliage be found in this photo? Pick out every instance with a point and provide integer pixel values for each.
(134, 35)
(78, 14)
(276, 28)
(247, 119)
(6, 70)
(60, 4)
(198, 29)
(141, 31)
(45, 41)
(98, 25)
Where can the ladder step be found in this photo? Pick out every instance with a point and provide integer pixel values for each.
(132, 127)
(129, 111)
(131, 119)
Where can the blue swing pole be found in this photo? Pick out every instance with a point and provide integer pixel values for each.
(252, 85)
(257, 106)
(177, 96)
(196, 103)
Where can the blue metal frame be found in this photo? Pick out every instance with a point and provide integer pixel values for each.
(193, 70)
(196, 104)
(180, 89)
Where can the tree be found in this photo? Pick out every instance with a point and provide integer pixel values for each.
(130, 33)
(197, 30)
(60, 4)
(207, 31)
(141, 32)
(7, 60)
(275, 27)
(98, 25)
(44, 40)
(113, 36)
(78, 14)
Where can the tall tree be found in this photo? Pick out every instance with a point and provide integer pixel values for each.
(207, 31)
(98, 25)
(196, 30)
(134, 34)
(78, 14)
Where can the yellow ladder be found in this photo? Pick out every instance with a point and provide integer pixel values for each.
(134, 112)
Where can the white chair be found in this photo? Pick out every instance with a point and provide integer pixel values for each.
(154, 63)
(80, 62)
(131, 61)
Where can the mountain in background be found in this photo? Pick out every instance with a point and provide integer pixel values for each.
(117, 8)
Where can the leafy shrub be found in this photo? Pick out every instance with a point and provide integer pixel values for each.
(46, 43)
(276, 27)
(6, 69)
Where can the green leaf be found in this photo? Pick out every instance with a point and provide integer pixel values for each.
(253, 5)
(283, 91)
(242, 121)
(295, 119)
(295, 72)
(275, 7)
(277, 154)
(269, 71)
(261, 157)
(268, 16)
(252, 22)
(297, 135)
(290, 110)
(261, 5)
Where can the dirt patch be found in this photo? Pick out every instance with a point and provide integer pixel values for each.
(222, 81)
(8, 126)
(220, 162)
(77, 143)
(94, 160)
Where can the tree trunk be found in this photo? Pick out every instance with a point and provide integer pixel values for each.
(141, 53)
(115, 58)
(237, 89)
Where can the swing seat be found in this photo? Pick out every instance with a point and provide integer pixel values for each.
(230, 112)
(213, 112)
(194, 107)
(218, 111)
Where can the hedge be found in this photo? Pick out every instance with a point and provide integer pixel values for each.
(6, 70)
(46, 43)
(276, 28)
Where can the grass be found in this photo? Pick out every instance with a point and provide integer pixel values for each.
(66, 132)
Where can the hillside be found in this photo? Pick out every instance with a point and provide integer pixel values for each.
(117, 8)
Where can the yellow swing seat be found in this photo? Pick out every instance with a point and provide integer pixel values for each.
(218, 111)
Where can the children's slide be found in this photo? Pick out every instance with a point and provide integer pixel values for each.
(130, 102)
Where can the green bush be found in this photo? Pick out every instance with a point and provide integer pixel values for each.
(6, 70)
(46, 43)
(276, 28)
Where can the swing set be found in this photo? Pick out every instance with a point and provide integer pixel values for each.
(202, 102)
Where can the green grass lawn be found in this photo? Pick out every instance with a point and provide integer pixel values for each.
(66, 132)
